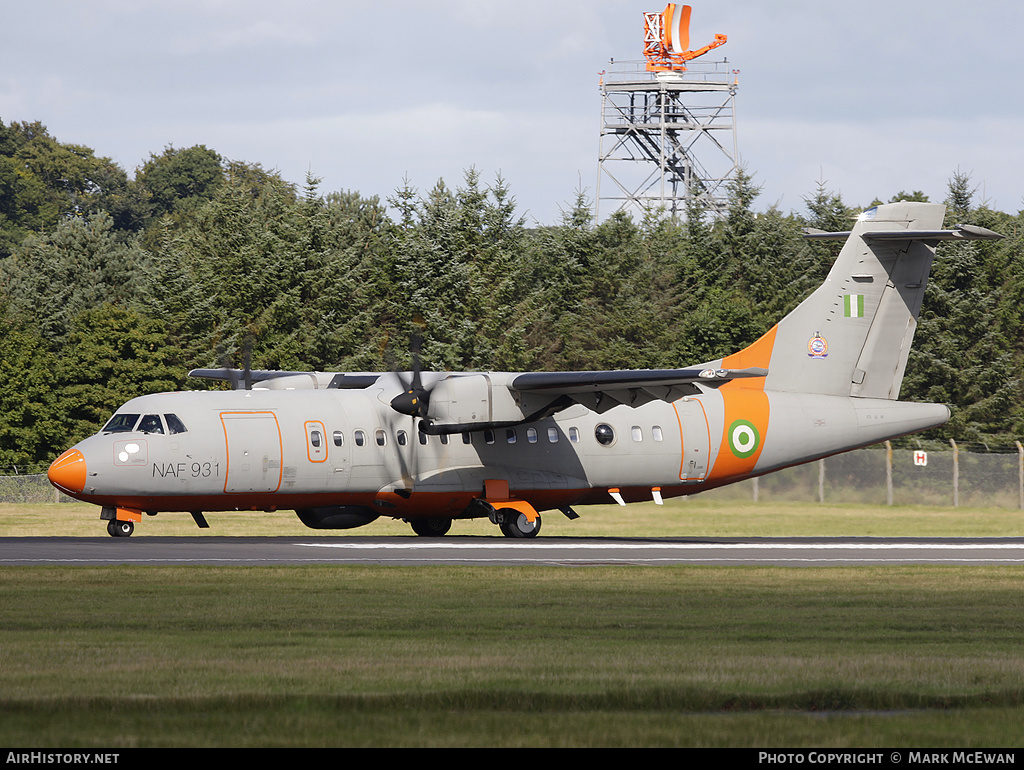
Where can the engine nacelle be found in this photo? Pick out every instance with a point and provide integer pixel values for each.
(337, 516)
(478, 401)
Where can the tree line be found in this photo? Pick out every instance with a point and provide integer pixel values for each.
(112, 287)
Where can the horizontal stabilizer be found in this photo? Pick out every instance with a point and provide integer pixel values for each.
(961, 233)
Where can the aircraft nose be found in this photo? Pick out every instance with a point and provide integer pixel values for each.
(67, 472)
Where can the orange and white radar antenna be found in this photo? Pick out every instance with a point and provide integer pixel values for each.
(668, 125)
(667, 39)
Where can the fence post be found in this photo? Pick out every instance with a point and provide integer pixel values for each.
(888, 473)
(1020, 475)
(757, 488)
(956, 473)
(821, 481)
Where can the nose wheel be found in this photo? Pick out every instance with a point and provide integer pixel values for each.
(117, 528)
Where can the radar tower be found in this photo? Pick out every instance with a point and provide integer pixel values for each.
(668, 123)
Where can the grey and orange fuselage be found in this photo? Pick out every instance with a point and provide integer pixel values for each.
(270, 450)
(343, 449)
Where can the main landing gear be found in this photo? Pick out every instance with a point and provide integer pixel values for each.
(117, 528)
(513, 523)
(431, 527)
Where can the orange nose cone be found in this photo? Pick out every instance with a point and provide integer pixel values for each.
(68, 471)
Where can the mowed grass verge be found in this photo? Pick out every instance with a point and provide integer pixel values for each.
(706, 515)
(474, 656)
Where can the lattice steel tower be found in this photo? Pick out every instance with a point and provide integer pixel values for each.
(668, 126)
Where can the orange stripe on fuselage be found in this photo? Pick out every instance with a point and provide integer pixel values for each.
(740, 447)
(744, 401)
(757, 355)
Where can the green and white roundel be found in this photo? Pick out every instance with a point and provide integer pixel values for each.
(743, 438)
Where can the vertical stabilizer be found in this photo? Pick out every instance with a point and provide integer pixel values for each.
(852, 336)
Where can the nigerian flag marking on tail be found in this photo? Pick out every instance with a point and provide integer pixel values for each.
(853, 306)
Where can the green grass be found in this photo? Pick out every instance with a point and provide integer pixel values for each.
(702, 516)
(517, 656)
(362, 656)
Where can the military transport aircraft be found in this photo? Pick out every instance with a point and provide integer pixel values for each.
(342, 450)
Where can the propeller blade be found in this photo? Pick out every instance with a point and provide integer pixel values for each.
(247, 353)
(415, 400)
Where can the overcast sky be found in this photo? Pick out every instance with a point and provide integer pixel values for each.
(870, 98)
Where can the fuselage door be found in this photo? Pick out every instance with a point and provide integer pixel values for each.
(696, 439)
(316, 441)
(253, 443)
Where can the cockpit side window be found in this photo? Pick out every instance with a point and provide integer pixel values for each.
(151, 424)
(174, 425)
(121, 423)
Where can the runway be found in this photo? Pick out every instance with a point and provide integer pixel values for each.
(486, 551)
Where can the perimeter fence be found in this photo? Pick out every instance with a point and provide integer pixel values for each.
(881, 475)
(983, 477)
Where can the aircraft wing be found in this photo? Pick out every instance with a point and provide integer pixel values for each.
(282, 380)
(604, 389)
(568, 383)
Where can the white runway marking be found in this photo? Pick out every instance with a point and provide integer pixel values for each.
(521, 552)
(503, 551)
(680, 546)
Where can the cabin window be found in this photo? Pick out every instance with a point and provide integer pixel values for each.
(315, 438)
(339, 438)
(151, 424)
(636, 433)
(510, 435)
(467, 438)
(574, 435)
(444, 438)
(382, 437)
(174, 425)
(360, 438)
(553, 435)
(489, 436)
(402, 437)
(657, 434)
(604, 434)
(423, 438)
(531, 435)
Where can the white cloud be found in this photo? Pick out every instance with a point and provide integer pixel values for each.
(862, 161)
(873, 98)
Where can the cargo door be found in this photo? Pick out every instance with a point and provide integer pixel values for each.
(696, 439)
(253, 444)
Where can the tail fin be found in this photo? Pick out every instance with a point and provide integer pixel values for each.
(852, 335)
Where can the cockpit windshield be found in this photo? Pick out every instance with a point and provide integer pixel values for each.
(121, 423)
(150, 423)
(174, 425)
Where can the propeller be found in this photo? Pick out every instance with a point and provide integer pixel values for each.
(239, 378)
(415, 399)
(247, 342)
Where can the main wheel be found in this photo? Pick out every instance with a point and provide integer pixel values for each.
(120, 528)
(515, 524)
(431, 527)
